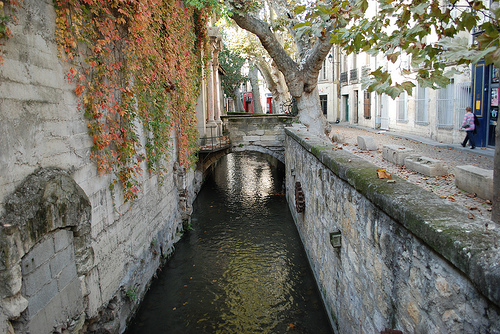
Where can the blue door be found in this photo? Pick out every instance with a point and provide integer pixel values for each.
(480, 83)
(485, 85)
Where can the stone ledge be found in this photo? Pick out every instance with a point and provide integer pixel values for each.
(425, 165)
(475, 180)
(442, 225)
(366, 143)
(396, 153)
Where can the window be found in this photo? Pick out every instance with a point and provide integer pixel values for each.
(344, 63)
(322, 74)
(445, 97)
(421, 106)
(401, 108)
(463, 99)
(323, 100)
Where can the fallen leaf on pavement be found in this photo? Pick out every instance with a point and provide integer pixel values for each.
(382, 174)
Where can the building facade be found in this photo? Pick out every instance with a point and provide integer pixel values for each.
(432, 113)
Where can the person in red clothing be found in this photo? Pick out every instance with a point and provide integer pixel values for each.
(469, 126)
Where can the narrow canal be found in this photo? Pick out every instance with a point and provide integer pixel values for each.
(242, 267)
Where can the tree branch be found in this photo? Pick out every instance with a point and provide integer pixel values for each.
(269, 41)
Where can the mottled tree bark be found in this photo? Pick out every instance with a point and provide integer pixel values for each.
(275, 82)
(237, 100)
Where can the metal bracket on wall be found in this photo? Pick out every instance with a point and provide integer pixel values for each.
(300, 202)
(336, 239)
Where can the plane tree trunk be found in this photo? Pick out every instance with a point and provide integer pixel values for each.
(301, 79)
(237, 100)
(275, 82)
(254, 81)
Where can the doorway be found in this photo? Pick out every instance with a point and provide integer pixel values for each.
(355, 107)
(345, 103)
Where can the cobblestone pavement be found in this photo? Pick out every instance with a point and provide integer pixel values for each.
(443, 186)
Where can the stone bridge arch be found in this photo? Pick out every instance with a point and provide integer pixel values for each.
(258, 133)
(45, 254)
(206, 160)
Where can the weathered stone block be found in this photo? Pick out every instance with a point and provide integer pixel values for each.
(426, 165)
(10, 281)
(66, 276)
(251, 138)
(336, 137)
(475, 180)
(268, 138)
(396, 153)
(41, 253)
(367, 143)
(38, 301)
(62, 239)
(14, 306)
(61, 260)
(36, 280)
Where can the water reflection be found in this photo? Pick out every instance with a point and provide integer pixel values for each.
(242, 269)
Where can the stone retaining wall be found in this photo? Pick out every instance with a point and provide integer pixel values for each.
(407, 260)
(119, 246)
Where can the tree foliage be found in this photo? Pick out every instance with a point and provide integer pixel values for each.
(8, 10)
(232, 64)
(248, 46)
(433, 34)
(137, 69)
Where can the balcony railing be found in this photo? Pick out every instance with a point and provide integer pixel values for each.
(353, 74)
(343, 77)
(365, 71)
(214, 143)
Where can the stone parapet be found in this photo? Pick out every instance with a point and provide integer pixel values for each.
(366, 143)
(261, 133)
(408, 260)
(396, 153)
(475, 180)
(426, 166)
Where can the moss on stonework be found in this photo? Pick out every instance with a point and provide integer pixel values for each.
(442, 225)
(317, 149)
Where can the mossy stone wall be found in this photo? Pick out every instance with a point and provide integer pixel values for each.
(408, 259)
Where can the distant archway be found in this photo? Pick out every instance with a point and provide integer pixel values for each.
(206, 160)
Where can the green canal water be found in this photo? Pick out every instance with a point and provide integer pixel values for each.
(242, 267)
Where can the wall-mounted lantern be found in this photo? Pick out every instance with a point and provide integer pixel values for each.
(336, 239)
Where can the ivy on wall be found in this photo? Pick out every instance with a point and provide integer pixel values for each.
(137, 66)
(7, 15)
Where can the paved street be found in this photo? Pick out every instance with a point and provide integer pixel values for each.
(453, 155)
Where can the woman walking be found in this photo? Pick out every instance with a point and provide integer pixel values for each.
(469, 126)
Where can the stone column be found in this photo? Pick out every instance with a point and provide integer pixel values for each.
(213, 110)
(210, 100)
(217, 97)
